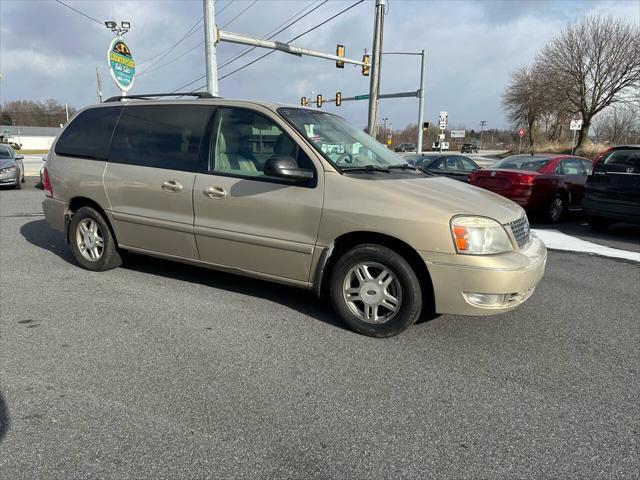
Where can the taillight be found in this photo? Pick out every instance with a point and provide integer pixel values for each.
(526, 179)
(46, 183)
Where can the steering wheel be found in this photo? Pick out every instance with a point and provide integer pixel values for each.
(345, 158)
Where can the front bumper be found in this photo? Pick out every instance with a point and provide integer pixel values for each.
(514, 275)
(10, 178)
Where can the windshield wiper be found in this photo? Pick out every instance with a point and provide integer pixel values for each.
(404, 166)
(366, 168)
(424, 170)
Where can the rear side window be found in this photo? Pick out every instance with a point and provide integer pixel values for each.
(89, 134)
(572, 166)
(624, 157)
(162, 136)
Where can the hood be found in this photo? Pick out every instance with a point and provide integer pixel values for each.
(7, 162)
(452, 197)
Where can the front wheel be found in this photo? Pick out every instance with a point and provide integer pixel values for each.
(375, 291)
(92, 243)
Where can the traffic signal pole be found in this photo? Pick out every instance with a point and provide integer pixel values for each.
(376, 57)
(421, 105)
(210, 47)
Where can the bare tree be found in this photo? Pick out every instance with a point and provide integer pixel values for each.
(591, 65)
(617, 125)
(524, 100)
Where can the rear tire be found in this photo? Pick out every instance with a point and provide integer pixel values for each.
(375, 291)
(556, 208)
(91, 241)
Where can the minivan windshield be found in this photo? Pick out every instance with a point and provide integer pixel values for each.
(340, 142)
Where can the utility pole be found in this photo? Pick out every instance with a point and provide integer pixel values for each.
(482, 124)
(210, 47)
(384, 129)
(421, 106)
(376, 57)
(66, 109)
(98, 86)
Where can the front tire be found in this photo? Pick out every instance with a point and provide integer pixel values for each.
(91, 241)
(375, 291)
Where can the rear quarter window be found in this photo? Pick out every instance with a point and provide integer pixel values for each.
(89, 134)
(162, 136)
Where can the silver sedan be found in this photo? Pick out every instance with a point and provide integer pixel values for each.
(11, 167)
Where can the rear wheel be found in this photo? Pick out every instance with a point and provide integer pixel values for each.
(92, 243)
(375, 291)
(556, 208)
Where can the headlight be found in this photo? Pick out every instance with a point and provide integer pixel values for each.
(8, 169)
(479, 236)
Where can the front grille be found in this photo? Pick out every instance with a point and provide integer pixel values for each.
(520, 229)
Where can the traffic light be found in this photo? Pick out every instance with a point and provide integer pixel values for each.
(338, 99)
(303, 101)
(319, 101)
(340, 53)
(425, 125)
(365, 67)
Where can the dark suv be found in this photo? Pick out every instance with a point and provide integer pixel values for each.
(612, 191)
(469, 148)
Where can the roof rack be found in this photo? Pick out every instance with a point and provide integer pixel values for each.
(150, 96)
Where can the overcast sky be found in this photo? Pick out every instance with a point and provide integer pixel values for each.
(49, 51)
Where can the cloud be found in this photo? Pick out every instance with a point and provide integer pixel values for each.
(48, 51)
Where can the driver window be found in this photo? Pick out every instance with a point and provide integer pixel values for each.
(451, 163)
(244, 140)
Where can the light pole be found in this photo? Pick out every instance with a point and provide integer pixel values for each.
(119, 30)
(384, 129)
(210, 47)
(482, 124)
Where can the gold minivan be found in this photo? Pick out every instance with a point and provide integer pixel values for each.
(287, 194)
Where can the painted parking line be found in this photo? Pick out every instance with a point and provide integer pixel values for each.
(556, 240)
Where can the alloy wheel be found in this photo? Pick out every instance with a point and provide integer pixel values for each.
(90, 239)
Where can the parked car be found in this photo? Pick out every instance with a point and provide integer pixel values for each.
(40, 184)
(11, 167)
(547, 184)
(469, 148)
(612, 191)
(406, 147)
(457, 167)
(246, 187)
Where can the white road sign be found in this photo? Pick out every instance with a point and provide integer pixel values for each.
(575, 125)
(457, 133)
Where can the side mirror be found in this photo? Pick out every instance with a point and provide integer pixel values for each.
(19, 157)
(44, 159)
(286, 167)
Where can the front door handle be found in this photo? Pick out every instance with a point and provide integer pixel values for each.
(171, 186)
(215, 192)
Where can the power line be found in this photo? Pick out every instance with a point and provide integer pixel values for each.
(270, 37)
(293, 39)
(238, 15)
(278, 32)
(151, 70)
(190, 32)
(81, 13)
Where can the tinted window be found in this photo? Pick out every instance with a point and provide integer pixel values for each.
(588, 166)
(161, 136)
(89, 134)
(627, 158)
(245, 140)
(451, 163)
(5, 152)
(572, 166)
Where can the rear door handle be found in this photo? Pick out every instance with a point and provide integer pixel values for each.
(171, 186)
(215, 192)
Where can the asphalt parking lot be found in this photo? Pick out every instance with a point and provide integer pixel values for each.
(161, 370)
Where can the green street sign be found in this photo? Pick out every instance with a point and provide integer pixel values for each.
(121, 64)
(361, 97)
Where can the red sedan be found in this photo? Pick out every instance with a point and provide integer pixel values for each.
(547, 184)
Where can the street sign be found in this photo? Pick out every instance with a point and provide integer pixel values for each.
(441, 136)
(457, 133)
(443, 125)
(361, 97)
(575, 125)
(521, 132)
(443, 115)
(121, 64)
